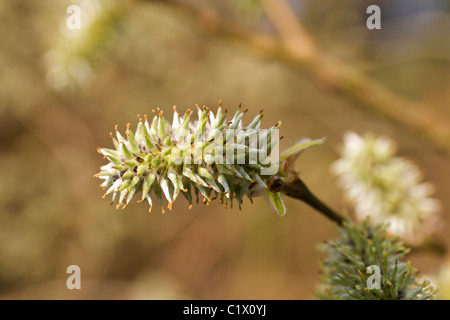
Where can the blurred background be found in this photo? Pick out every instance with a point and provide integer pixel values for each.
(314, 65)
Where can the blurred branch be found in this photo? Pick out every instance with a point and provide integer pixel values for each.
(343, 77)
(430, 245)
(294, 36)
(296, 46)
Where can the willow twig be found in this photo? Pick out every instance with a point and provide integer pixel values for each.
(297, 189)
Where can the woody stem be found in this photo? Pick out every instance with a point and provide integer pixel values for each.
(297, 189)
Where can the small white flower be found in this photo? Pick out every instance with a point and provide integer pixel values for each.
(384, 187)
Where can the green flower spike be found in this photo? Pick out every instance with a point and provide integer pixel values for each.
(364, 263)
(188, 155)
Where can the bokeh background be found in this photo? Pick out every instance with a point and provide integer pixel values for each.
(313, 65)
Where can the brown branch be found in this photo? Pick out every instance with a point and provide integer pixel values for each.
(297, 47)
(293, 34)
(297, 189)
(429, 245)
(350, 81)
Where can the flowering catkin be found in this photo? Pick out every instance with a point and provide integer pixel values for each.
(365, 263)
(213, 156)
(385, 187)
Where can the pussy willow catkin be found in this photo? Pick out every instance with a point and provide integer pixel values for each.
(216, 157)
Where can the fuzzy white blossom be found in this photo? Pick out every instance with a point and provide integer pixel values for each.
(73, 52)
(384, 187)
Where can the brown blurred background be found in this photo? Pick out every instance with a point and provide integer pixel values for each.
(313, 65)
